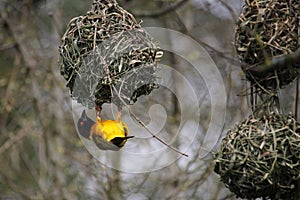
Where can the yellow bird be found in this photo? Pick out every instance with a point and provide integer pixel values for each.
(108, 134)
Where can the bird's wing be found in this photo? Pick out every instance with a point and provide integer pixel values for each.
(103, 144)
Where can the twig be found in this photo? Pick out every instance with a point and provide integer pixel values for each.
(163, 11)
(153, 135)
(230, 10)
(19, 41)
(56, 21)
(13, 140)
(277, 63)
(297, 99)
(8, 94)
(7, 46)
(5, 179)
(208, 47)
(144, 125)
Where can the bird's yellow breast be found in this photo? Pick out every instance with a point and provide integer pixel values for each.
(110, 129)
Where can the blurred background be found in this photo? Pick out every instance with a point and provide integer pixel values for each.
(41, 154)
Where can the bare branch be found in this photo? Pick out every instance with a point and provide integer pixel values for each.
(230, 10)
(276, 63)
(153, 135)
(21, 134)
(163, 11)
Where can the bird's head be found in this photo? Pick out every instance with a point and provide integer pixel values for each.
(84, 125)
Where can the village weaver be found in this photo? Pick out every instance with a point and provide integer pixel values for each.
(101, 132)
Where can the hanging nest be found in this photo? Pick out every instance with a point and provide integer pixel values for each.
(106, 57)
(268, 30)
(260, 157)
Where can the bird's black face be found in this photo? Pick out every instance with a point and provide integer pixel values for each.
(84, 125)
(120, 141)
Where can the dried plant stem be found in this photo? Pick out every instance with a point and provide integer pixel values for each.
(162, 12)
(297, 99)
(144, 125)
(277, 63)
(153, 135)
(17, 138)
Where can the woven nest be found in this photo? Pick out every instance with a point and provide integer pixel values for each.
(107, 57)
(260, 157)
(265, 30)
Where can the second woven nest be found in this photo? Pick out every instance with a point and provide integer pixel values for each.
(260, 157)
(267, 30)
(106, 57)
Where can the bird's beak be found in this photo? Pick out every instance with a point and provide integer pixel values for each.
(128, 137)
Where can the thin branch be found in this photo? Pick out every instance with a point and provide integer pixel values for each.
(7, 46)
(208, 47)
(153, 135)
(12, 141)
(230, 10)
(277, 63)
(5, 179)
(185, 31)
(19, 41)
(297, 99)
(144, 125)
(162, 12)
(11, 86)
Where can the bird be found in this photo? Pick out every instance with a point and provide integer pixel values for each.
(107, 135)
